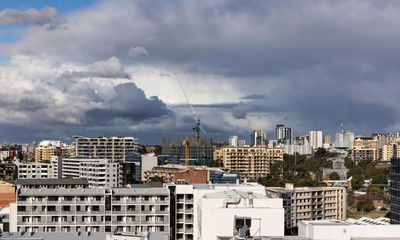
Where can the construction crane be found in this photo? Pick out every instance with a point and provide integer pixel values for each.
(197, 129)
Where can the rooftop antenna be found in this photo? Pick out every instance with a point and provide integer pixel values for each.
(341, 127)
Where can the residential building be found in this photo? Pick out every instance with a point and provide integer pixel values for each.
(233, 141)
(191, 175)
(99, 172)
(56, 161)
(63, 183)
(113, 148)
(201, 150)
(310, 203)
(36, 170)
(196, 205)
(315, 139)
(341, 230)
(283, 134)
(8, 171)
(117, 210)
(49, 148)
(242, 213)
(241, 143)
(250, 162)
(258, 138)
(390, 150)
(177, 174)
(327, 139)
(364, 149)
(300, 149)
(344, 140)
(85, 236)
(217, 175)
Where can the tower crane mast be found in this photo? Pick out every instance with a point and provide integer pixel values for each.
(197, 129)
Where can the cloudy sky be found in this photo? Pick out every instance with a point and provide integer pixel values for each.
(108, 67)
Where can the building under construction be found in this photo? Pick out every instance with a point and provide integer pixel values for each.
(201, 151)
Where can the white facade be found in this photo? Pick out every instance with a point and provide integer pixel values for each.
(266, 215)
(344, 140)
(192, 209)
(338, 230)
(56, 161)
(233, 141)
(148, 162)
(300, 149)
(36, 170)
(315, 139)
(98, 172)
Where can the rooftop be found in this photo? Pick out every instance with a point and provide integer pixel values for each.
(52, 181)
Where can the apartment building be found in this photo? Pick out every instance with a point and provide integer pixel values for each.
(49, 148)
(177, 174)
(117, 210)
(365, 149)
(64, 183)
(36, 170)
(250, 162)
(8, 171)
(315, 139)
(113, 148)
(98, 172)
(310, 203)
(194, 209)
(200, 151)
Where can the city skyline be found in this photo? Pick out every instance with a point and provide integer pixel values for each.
(100, 68)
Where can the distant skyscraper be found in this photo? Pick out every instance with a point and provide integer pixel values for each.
(344, 140)
(283, 134)
(258, 138)
(315, 138)
(233, 141)
(327, 139)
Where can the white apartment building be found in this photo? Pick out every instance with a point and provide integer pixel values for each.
(117, 210)
(300, 149)
(315, 139)
(340, 230)
(98, 172)
(36, 170)
(113, 148)
(310, 203)
(233, 141)
(200, 208)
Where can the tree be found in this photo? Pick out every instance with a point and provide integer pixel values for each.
(357, 182)
(368, 207)
(379, 179)
(270, 181)
(334, 176)
(320, 153)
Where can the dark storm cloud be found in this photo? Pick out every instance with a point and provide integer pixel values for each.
(311, 64)
(241, 110)
(130, 105)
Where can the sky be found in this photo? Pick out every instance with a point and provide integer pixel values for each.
(110, 67)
